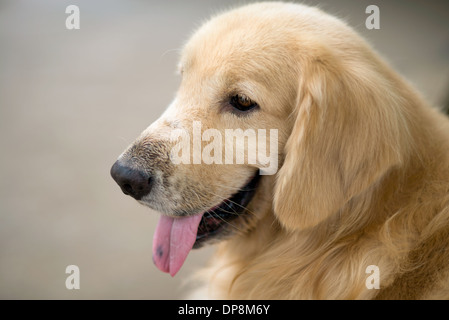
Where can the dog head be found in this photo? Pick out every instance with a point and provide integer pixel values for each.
(263, 67)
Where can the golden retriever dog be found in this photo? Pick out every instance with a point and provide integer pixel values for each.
(359, 205)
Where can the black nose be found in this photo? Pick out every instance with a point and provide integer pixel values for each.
(132, 181)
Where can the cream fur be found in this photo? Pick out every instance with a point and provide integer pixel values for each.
(365, 177)
(365, 161)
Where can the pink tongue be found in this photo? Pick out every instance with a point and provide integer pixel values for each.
(173, 240)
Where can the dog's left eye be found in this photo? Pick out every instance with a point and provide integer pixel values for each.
(242, 102)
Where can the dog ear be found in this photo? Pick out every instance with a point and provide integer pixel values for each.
(348, 132)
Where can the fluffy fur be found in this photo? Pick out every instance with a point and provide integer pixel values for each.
(364, 176)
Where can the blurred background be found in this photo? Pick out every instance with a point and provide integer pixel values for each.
(72, 100)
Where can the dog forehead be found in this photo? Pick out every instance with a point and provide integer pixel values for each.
(263, 34)
(241, 38)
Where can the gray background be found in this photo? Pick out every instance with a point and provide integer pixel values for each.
(72, 100)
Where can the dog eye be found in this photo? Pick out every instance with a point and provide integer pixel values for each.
(242, 102)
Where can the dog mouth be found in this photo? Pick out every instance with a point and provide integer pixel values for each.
(214, 220)
(174, 238)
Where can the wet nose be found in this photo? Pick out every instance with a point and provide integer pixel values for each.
(133, 182)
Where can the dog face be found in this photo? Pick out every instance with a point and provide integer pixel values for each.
(271, 66)
(237, 80)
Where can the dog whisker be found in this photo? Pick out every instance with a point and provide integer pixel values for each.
(230, 201)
